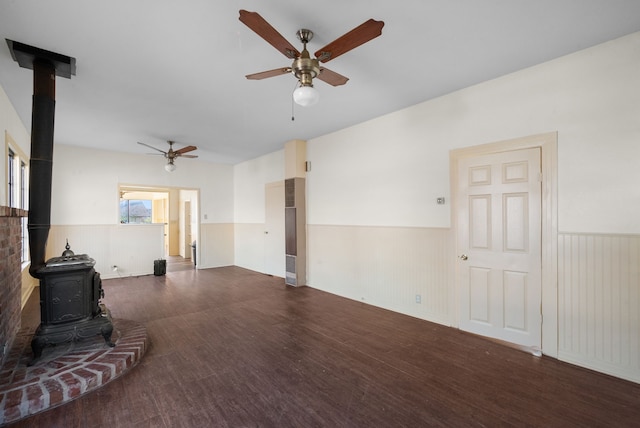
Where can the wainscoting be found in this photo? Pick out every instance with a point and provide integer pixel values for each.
(598, 285)
(132, 248)
(388, 267)
(599, 302)
(249, 247)
(216, 246)
(403, 269)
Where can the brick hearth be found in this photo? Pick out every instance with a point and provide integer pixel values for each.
(65, 372)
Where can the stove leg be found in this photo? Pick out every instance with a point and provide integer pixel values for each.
(106, 332)
(37, 345)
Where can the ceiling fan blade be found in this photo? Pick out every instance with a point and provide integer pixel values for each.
(151, 147)
(187, 156)
(354, 38)
(331, 77)
(185, 150)
(270, 73)
(263, 29)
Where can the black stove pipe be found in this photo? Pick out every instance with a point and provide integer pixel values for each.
(46, 65)
(41, 162)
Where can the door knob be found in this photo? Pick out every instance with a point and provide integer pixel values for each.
(463, 257)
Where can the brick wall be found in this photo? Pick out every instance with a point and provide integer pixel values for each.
(10, 276)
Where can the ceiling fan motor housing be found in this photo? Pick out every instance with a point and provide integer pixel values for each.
(305, 69)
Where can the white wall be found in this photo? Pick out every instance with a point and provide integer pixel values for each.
(250, 179)
(249, 182)
(372, 189)
(85, 192)
(10, 123)
(85, 184)
(389, 171)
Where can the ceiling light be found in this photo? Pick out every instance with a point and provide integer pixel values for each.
(170, 167)
(306, 96)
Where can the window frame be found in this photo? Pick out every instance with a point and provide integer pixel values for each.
(17, 179)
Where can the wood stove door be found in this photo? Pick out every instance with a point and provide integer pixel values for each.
(67, 297)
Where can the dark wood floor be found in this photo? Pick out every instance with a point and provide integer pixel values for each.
(177, 263)
(233, 348)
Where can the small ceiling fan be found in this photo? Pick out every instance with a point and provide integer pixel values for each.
(304, 67)
(171, 155)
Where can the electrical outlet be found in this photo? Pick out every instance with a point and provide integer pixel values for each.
(115, 268)
(418, 298)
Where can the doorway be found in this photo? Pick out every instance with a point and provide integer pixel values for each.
(274, 233)
(176, 208)
(504, 214)
(189, 224)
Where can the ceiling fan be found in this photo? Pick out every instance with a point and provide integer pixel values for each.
(304, 67)
(171, 155)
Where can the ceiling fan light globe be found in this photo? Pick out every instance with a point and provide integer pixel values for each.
(170, 167)
(306, 96)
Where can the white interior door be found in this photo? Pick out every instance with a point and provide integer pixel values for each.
(499, 250)
(274, 236)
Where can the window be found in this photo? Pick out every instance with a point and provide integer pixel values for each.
(143, 205)
(136, 211)
(18, 187)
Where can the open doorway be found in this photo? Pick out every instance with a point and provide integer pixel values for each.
(188, 225)
(175, 208)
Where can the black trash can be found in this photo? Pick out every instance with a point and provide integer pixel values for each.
(193, 252)
(159, 267)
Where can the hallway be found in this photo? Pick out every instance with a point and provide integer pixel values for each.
(178, 263)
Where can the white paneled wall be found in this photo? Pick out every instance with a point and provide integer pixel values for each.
(215, 248)
(249, 246)
(132, 248)
(385, 266)
(29, 284)
(599, 302)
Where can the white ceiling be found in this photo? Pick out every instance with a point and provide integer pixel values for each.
(157, 70)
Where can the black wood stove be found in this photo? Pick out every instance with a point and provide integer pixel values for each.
(70, 288)
(70, 308)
